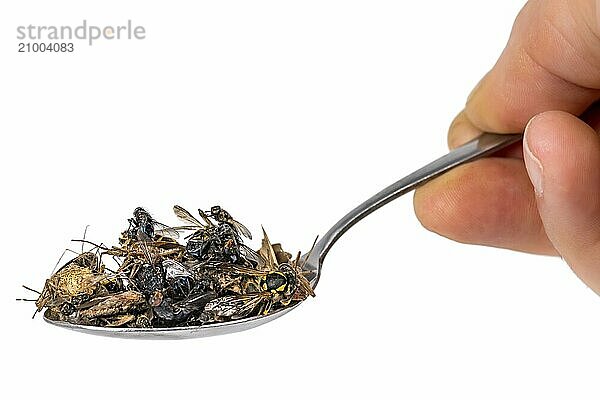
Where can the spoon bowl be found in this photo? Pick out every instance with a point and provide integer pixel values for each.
(481, 146)
(184, 332)
(181, 332)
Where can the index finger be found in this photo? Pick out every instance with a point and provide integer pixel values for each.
(551, 62)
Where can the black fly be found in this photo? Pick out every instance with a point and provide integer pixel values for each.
(144, 227)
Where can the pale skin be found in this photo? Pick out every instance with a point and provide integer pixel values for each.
(542, 196)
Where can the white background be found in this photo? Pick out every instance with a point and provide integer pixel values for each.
(288, 114)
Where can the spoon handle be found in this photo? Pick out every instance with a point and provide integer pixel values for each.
(483, 145)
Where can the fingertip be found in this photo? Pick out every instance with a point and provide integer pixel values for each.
(430, 206)
(488, 202)
(568, 153)
(457, 205)
(565, 151)
(564, 146)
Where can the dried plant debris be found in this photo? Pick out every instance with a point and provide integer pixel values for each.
(159, 282)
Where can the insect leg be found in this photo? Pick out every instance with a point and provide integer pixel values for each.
(61, 257)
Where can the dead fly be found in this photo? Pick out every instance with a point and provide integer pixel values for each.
(217, 214)
(223, 217)
(143, 244)
(143, 227)
(216, 240)
(172, 313)
(183, 282)
(173, 292)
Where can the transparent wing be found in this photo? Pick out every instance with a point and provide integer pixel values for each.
(186, 216)
(251, 255)
(235, 307)
(165, 230)
(241, 228)
(239, 269)
(142, 237)
(174, 269)
(305, 284)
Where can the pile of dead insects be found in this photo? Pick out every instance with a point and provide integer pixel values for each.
(159, 282)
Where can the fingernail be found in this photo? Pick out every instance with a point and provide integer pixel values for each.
(535, 169)
(461, 131)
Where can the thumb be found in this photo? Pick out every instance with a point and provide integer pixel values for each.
(562, 156)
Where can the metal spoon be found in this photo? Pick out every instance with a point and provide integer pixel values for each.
(485, 144)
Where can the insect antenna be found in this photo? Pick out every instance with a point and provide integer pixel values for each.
(298, 256)
(96, 246)
(98, 255)
(31, 290)
(192, 234)
(84, 233)
(60, 259)
(110, 270)
(34, 291)
(116, 260)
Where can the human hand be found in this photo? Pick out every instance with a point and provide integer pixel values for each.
(542, 197)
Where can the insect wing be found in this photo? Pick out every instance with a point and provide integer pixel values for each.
(142, 236)
(174, 269)
(186, 216)
(165, 230)
(267, 253)
(251, 255)
(197, 301)
(240, 270)
(238, 226)
(234, 307)
(305, 284)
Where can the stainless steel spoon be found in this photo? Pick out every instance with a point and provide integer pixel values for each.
(485, 144)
